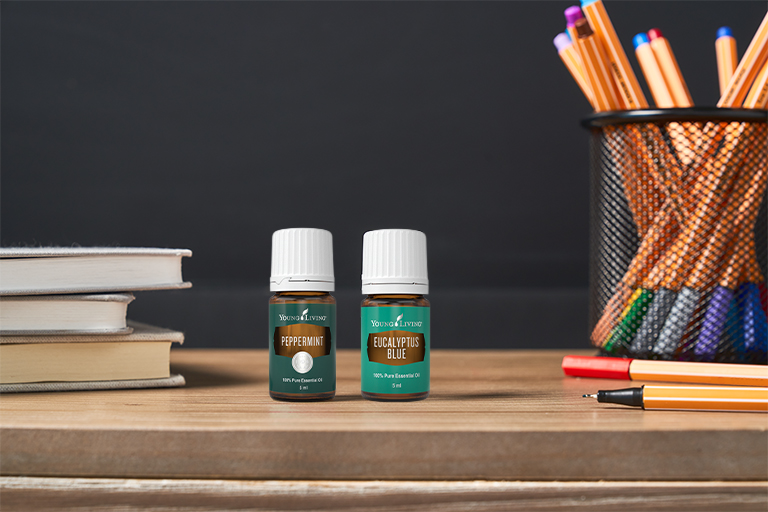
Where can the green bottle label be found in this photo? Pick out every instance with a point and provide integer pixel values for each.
(395, 349)
(302, 348)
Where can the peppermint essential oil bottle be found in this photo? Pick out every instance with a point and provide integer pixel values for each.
(302, 316)
(394, 316)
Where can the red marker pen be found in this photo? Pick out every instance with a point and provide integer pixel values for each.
(666, 371)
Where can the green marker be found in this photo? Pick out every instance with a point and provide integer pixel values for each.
(624, 333)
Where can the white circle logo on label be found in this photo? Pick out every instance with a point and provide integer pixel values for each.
(302, 362)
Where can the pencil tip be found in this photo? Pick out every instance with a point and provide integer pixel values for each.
(589, 396)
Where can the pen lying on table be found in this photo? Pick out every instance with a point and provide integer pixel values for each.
(666, 371)
(694, 398)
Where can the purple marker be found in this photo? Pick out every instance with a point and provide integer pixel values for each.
(713, 324)
(572, 15)
(562, 41)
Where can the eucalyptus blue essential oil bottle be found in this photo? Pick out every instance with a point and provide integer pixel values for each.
(395, 337)
(302, 316)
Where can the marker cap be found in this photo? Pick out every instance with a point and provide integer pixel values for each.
(302, 260)
(572, 15)
(597, 367)
(724, 32)
(395, 261)
(655, 33)
(562, 41)
(640, 39)
(583, 29)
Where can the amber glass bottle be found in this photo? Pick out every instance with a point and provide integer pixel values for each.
(302, 316)
(394, 317)
(397, 301)
(304, 386)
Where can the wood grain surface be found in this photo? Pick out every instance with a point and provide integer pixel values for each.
(21, 494)
(503, 415)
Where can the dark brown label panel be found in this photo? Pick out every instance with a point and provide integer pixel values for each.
(396, 348)
(314, 339)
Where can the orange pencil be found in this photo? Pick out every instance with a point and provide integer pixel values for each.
(758, 94)
(572, 60)
(652, 72)
(596, 68)
(748, 68)
(629, 88)
(662, 50)
(727, 57)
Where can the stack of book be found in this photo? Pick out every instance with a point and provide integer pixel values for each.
(63, 318)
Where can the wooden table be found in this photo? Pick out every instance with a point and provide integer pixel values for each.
(505, 423)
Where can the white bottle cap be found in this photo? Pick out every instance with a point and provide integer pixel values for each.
(302, 261)
(395, 261)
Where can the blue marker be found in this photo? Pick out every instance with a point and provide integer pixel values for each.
(727, 57)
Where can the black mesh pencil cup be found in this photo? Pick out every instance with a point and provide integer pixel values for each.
(678, 234)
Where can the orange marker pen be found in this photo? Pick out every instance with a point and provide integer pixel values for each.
(681, 97)
(572, 60)
(748, 68)
(758, 94)
(688, 398)
(629, 88)
(662, 50)
(596, 68)
(727, 57)
(652, 72)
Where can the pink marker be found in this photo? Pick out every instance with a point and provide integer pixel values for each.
(669, 68)
(572, 15)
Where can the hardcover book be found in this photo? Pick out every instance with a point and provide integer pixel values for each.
(70, 362)
(57, 270)
(64, 314)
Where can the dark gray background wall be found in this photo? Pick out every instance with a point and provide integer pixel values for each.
(208, 125)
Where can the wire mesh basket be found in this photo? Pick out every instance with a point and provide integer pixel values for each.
(679, 235)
